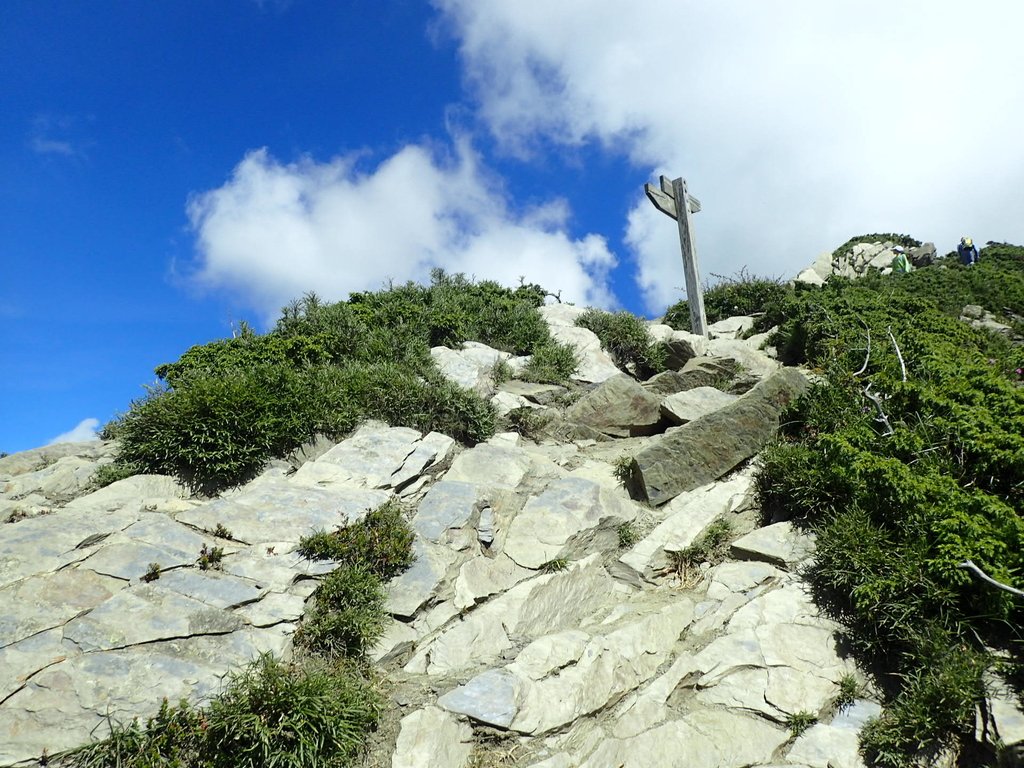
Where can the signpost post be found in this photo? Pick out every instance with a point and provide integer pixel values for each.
(673, 200)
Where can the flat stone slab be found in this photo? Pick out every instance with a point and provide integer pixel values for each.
(704, 450)
(448, 505)
(212, 588)
(491, 697)
(490, 465)
(156, 613)
(66, 705)
(482, 577)
(694, 403)
(277, 511)
(132, 491)
(50, 600)
(44, 544)
(410, 590)
(619, 407)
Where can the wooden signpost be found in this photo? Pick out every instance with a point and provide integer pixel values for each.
(673, 200)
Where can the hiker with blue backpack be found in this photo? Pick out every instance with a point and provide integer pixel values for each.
(967, 251)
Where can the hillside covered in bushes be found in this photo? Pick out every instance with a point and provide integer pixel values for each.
(906, 459)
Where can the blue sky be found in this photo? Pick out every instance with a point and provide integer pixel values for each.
(169, 169)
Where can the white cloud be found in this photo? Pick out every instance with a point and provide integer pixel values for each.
(275, 231)
(84, 431)
(798, 124)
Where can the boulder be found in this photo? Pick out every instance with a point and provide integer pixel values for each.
(681, 347)
(703, 450)
(619, 407)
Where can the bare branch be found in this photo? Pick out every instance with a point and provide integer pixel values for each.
(881, 418)
(867, 355)
(968, 565)
(903, 366)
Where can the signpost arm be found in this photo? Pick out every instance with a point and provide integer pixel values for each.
(694, 294)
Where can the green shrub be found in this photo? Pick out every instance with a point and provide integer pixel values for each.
(227, 407)
(903, 490)
(731, 297)
(111, 473)
(381, 543)
(625, 337)
(347, 615)
(551, 363)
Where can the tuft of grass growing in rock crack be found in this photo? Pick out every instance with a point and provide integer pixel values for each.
(799, 722)
(709, 548)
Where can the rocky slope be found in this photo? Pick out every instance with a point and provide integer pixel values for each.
(550, 619)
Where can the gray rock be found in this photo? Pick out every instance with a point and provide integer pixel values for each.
(748, 359)
(564, 681)
(49, 600)
(619, 407)
(375, 456)
(448, 505)
(482, 577)
(705, 739)
(534, 607)
(704, 450)
(157, 613)
(432, 738)
(687, 515)
(491, 698)
(39, 458)
(572, 516)
(780, 544)
(490, 465)
(694, 403)
(132, 491)
(214, 589)
(698, 372)
(64, 479)
(595, 364)
(810, 276)
(410, 590)
(681, 347)
(469, 367)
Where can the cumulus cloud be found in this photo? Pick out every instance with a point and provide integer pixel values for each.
(85, 430)
(797, 124)
(276, 230)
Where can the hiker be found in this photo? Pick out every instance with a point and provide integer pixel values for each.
(900, 262)
(967, 251)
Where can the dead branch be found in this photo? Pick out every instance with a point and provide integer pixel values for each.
(903, 365)
(968, 565)
(867, 355)
(881, 418)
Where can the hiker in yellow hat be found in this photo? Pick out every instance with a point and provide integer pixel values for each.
(967, 251)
